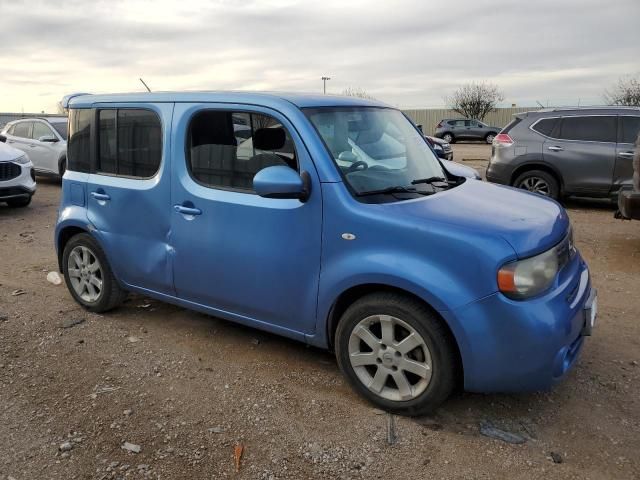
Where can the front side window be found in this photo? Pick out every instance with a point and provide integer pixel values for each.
(22, 129)
(226, 149)
(129, 142)
(590, 129)
(630, 129)
(40, 130)
(79, 146)
(377, 149)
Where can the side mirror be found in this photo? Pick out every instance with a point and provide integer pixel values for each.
(48, 139)
(347, 156)
(282, 182)
(3, 138)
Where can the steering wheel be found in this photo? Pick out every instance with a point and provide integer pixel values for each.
(356, 166)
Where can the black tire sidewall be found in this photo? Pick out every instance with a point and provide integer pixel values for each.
(452, 140)
(554, 186)
(19, 202)
(424, 322)
(86, 240)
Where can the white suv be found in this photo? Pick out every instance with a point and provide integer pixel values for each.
(17, 180)
(44, 140)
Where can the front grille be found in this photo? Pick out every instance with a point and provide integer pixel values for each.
(565, 250)
(9, 170)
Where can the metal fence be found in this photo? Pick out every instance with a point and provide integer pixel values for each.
(429, 118)
(10, 117)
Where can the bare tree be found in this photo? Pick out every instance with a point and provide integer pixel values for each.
(357, 92)
(475, 100)
(625, 92)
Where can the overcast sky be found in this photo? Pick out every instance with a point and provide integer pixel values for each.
(409, 53)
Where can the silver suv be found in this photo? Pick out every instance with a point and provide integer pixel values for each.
(563, 152)
(452, 130)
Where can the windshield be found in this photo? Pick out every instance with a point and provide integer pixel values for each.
(375, 148)
(61, 128)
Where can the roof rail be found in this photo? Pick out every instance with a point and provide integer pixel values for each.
(593, 107)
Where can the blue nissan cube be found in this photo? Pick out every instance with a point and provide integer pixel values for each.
(328, 220)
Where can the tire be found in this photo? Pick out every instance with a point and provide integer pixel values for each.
(109, 293)
(19, 202)
(489, 137)
(540, 182)
(62, 168)
(449, 138)
(438, 363)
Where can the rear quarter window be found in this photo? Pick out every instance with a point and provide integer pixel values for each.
(79, 146)
(546, 126)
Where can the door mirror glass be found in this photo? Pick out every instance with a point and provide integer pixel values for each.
(280, 182)
(48, 139)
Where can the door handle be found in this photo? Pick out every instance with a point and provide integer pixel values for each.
(187, 210)
(555, 148)
(100, 196)
(626, 154)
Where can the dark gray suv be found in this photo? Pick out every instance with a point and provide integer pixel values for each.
(453, 129)
(562, 152)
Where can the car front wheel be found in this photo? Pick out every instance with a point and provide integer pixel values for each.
(19, 202)
(396, 353)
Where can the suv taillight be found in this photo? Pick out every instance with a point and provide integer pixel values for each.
(503, 139)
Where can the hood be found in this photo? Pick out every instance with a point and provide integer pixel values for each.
(529, 222)
(8, 153)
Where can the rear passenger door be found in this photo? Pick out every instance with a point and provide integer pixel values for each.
(628, 130)
(129, 191)
(584, 153)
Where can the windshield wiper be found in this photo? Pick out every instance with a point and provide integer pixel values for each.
(391, 190)
(430, 180)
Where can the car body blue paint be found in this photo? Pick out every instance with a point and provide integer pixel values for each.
(281, 264)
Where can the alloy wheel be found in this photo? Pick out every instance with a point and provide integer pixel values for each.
(390, 358)
(490, 138)
(535, 185)
(85, 274)
(447, 138)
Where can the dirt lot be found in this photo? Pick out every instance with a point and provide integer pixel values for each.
(186, 387)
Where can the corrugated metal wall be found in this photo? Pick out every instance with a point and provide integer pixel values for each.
(10, 117)
(429, 118)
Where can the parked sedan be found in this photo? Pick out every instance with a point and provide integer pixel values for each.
(452, 130)
(44, 140)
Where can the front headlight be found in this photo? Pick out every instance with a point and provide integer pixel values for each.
(23, 160)
(529, 277)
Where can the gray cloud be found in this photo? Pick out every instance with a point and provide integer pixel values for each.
(408, 53)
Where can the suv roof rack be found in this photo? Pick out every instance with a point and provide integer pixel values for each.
(594, 107)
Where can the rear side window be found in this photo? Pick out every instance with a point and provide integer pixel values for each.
(129, 142)
(226, 149)
(591, 129)
(79, 146)
(22, 129)
(545, 126)
(630, 128)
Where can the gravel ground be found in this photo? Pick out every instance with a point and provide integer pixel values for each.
(80, 393)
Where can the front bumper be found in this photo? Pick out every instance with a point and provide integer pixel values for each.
(21, 186)
(516, 346)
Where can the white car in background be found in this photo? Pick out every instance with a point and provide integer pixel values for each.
(44, 140)
(17, 180)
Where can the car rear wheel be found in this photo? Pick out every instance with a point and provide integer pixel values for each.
(19, 202)
(540, 182)
(88, 275)
(447, 137)
(63, 167)
(396, 353)
(489, 138)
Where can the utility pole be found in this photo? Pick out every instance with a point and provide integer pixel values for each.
(324, 84)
